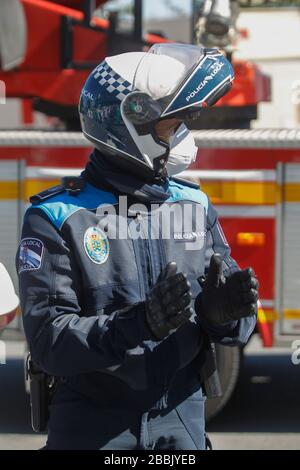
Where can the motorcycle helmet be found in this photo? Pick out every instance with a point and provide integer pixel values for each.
(127, 94)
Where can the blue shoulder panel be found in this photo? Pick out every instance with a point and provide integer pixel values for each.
(181, 192)
(60, 207)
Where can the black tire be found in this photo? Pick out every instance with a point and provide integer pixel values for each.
(229, 360)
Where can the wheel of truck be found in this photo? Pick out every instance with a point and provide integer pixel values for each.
(228, 360)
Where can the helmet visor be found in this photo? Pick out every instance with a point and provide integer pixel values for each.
(183, 78)
(165, 67)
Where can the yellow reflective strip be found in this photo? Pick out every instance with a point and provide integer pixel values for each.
(34, 186)
(9, 190)
(291, 314)
(292, 192)
(267, 316)
(236, 192)
(220, 192)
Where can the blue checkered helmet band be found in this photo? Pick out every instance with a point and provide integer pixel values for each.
(111, 81)
(100, 112)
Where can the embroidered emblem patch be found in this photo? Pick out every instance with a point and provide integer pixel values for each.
(31, 254)
(96, 245)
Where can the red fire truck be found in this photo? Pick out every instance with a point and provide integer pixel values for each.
(252, 176)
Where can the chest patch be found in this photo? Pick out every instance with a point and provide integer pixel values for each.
(96, 245)
(31, 254)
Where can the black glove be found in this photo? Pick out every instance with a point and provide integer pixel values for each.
(167, 304)
(225, 299)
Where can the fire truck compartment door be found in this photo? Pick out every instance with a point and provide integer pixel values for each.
(289, 239)
(13, 34)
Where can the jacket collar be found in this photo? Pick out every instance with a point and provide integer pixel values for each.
(102, 174)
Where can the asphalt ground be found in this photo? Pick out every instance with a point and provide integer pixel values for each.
(263, 413)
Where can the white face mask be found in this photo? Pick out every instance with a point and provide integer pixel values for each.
(183, 151)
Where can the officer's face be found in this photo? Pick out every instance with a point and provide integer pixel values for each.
(166, 128)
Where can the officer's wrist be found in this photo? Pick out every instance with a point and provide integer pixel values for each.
(152, 330)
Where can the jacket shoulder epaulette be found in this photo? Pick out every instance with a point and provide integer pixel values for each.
(43, 195)
(73, 185)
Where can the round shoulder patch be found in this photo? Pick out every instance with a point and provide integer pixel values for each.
(96, 245)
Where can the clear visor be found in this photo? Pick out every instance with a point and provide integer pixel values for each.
(186, 54)
(165, 67)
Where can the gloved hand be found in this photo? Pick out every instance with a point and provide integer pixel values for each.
(167, 304)
(225, 299)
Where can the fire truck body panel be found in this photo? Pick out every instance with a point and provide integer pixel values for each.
(255, 184)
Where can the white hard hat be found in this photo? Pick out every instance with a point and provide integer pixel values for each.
(9, 301)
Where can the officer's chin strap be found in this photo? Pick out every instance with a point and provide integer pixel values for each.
(160, 178)
(160, 168)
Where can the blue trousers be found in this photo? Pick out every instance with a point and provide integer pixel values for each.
(76, 423)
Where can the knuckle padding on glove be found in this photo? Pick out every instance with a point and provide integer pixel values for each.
(180, 290)
(172, 309)
(244, 274)
(248, 310)
(248, 297)
(184, 301)
(168, 284)
(173, 303)
(177, 320)
(174, 279)
(174, 290)
(247, 285)
(167, 298)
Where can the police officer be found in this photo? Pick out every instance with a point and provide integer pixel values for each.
(132, 276)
